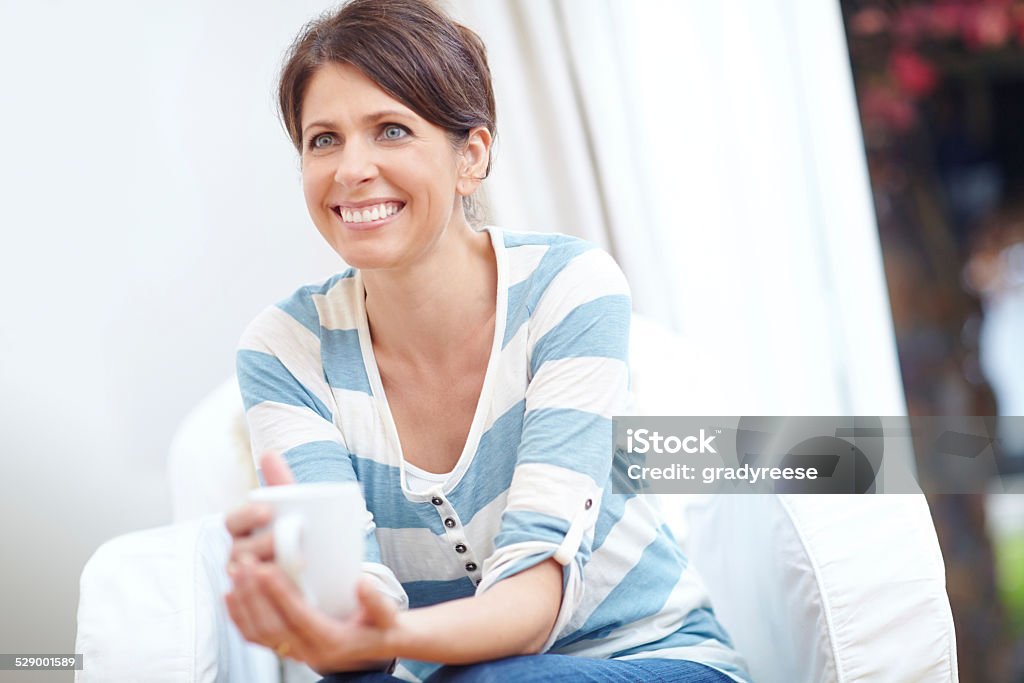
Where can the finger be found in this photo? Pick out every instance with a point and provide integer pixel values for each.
(244, 519)
(264, 620)
(259, 545)
(231, 601)
(238, 606)
(275, 470)
(282, 593)
(378, 610)
(308, 624)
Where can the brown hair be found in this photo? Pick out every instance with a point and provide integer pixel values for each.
(411, 49)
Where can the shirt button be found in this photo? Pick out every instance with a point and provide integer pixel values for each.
(460, 548)
(450, 523)
(588, 504)
(436, 501)
(471, 566)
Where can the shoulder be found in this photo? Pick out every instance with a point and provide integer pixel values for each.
(555, 245)
(553, 264)
(300, 315)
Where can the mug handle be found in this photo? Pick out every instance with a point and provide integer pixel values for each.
(288, 545)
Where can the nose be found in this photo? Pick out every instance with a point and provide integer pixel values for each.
(356, 165)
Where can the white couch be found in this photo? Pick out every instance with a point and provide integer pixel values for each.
(813, 589)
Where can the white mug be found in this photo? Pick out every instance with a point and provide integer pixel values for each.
(318, 539)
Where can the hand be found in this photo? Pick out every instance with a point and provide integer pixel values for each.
(243, 522)
(269, 609)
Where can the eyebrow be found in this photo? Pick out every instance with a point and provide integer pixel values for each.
(369, 118)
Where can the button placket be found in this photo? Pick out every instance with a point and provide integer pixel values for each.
(454, 532)
(469, 563)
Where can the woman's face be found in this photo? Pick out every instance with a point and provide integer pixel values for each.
(379, 180)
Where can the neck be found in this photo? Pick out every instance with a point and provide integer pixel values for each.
(424, 314)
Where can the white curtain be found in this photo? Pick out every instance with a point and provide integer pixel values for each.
(714, 149)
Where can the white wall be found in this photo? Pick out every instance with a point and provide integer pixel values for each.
(151, 205)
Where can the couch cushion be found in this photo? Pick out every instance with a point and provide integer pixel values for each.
(152, 608)
(815, 589)
(210, 466)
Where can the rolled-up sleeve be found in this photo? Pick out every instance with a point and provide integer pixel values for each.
(579, 378)
(288, 406)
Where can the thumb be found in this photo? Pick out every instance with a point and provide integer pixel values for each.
(275, 470)
(378, 610)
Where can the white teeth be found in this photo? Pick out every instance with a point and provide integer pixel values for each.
(371, 213)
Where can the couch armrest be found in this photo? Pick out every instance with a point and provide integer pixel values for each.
(820, 589)
(151, 608)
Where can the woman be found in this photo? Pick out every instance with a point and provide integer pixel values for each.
(467, 380)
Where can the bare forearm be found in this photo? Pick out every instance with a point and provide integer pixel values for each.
(514, 617)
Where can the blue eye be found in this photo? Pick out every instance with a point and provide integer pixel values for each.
(321, 140)
(393, 131)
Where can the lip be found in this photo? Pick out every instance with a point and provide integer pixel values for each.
(365, 225)
(366, 202)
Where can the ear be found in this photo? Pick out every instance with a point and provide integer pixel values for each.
(473, 160)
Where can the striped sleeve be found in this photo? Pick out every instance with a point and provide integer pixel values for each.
(289, 410)
(577, 346)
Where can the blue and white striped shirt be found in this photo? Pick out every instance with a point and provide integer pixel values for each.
(533, 481)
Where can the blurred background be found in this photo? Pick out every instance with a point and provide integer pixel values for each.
(822, 199)
(940, 90)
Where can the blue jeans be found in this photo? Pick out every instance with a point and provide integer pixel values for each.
(550, 668)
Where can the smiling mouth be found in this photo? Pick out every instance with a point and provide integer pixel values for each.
(368, 215)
